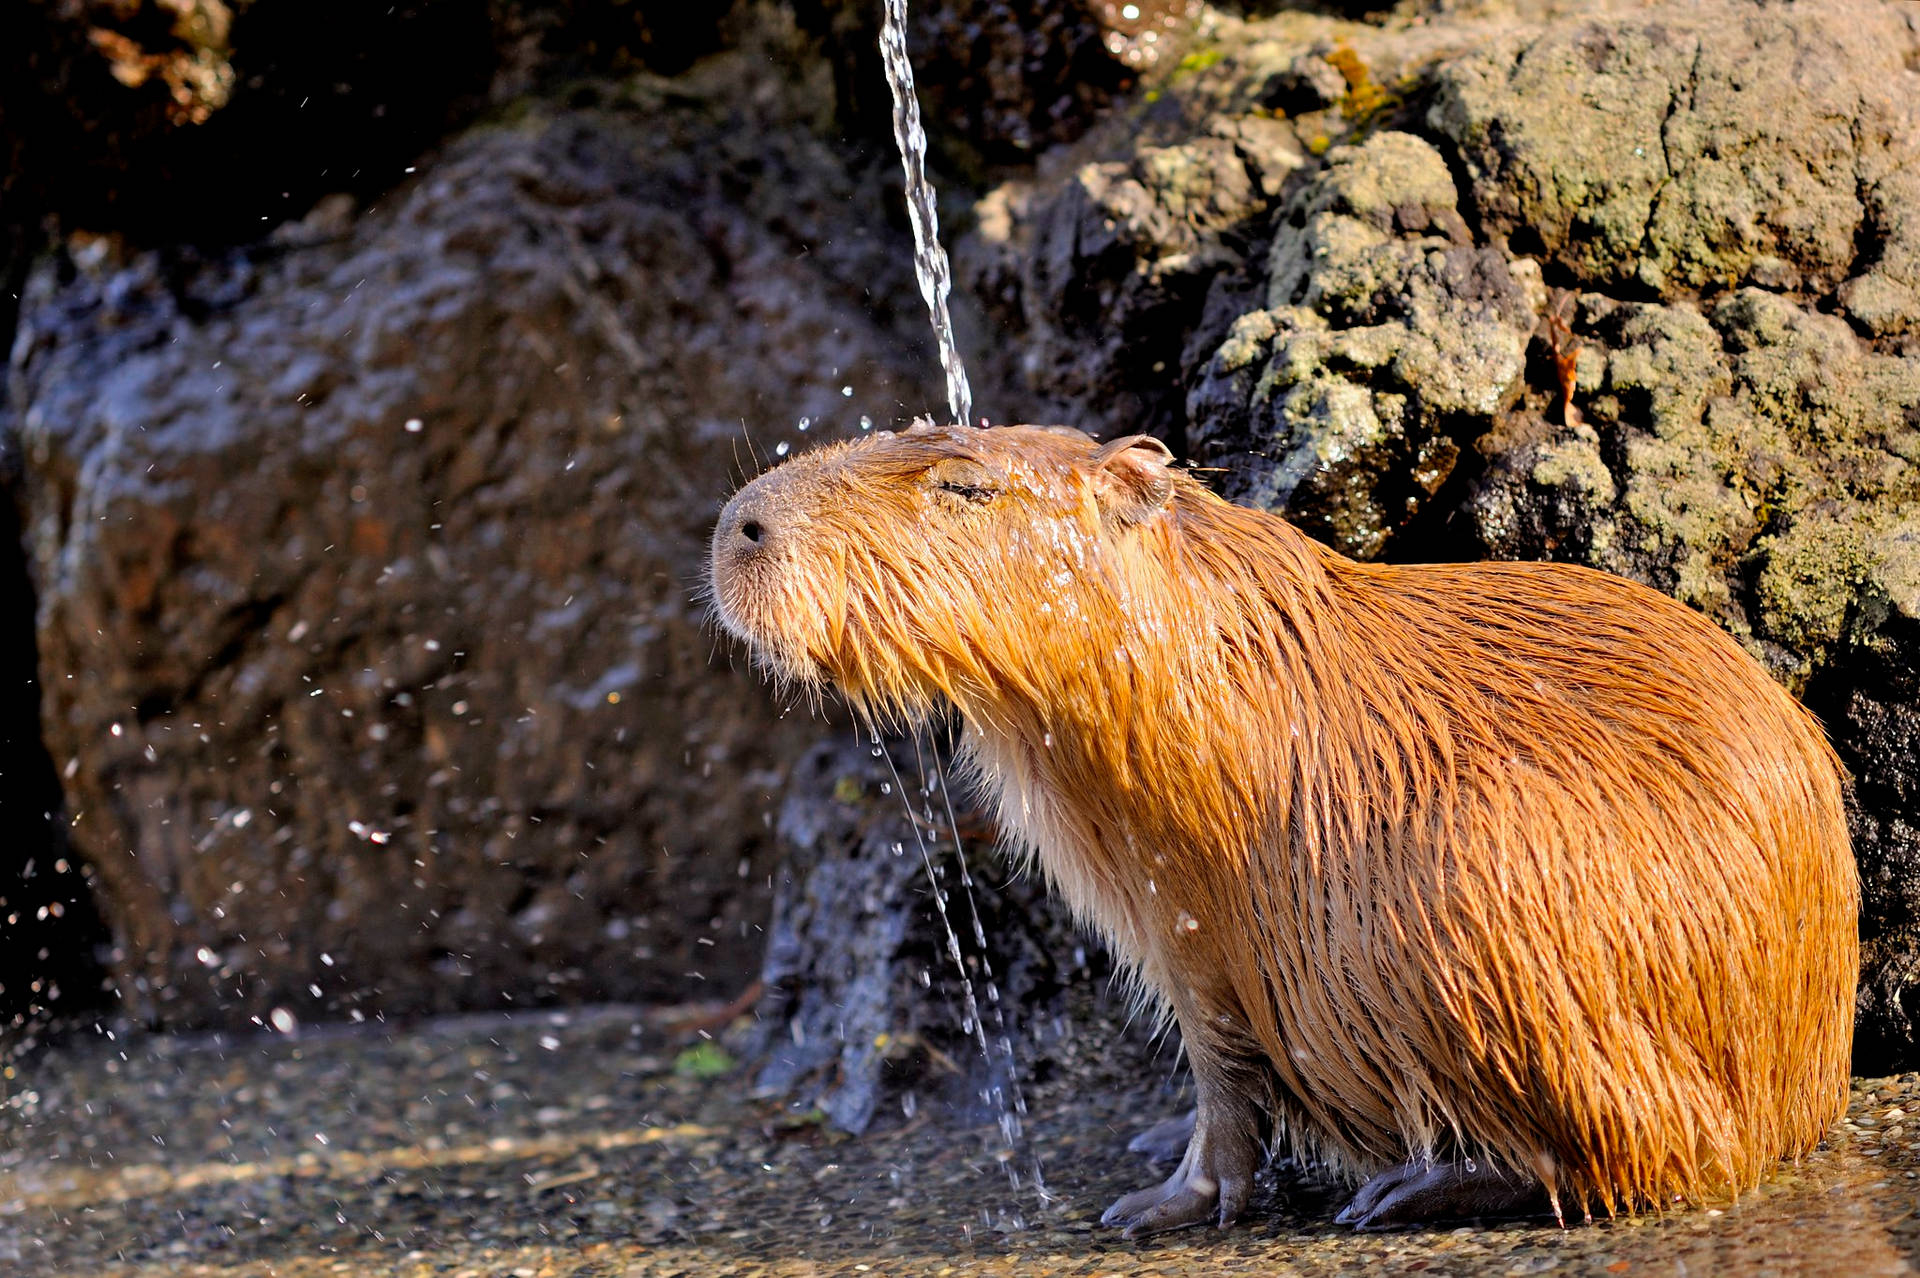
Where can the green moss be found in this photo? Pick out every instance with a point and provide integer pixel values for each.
(1575, 464)
(704, 1060)
(1197, 61)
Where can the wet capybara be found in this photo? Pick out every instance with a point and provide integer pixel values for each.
(1481, 885)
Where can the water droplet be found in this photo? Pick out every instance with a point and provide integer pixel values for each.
(282, 1020)
(206, 956)
(780, 449)
(415, 425)
(1188, 923)
(805, 422)
(549, 1042)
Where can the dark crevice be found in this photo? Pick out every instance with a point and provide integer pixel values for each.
(1465, 201)
(51, 934)
(1443, 529)
(246, 622)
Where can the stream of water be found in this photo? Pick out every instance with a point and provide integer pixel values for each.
(929, 258)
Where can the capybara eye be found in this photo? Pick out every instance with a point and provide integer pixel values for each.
(978, 494)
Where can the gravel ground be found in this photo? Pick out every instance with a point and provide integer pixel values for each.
(592, 1143)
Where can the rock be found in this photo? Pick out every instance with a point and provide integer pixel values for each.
(1310, 83)
(1710, 145)
(1388, 341)
(1870, 698)
(51, 936)
(865, 1009)
(999, 80)
(1106, 274)
(1884, 298)
(1122, 263)
(365, 564)
(1750, 451)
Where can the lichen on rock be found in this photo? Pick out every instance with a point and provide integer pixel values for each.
(1388, 337)
(1694, 146)
(1756, 445)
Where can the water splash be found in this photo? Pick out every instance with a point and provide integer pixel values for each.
(929, 258)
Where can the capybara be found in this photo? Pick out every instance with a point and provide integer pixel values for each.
(1477, 884)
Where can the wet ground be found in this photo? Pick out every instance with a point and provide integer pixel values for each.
(591, 1143)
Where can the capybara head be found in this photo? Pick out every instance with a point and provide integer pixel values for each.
(935, 562)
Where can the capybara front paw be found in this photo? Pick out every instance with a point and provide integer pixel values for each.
(1213, 1182)
(1418, 1192)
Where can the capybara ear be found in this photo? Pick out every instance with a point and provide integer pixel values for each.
(1131, 478)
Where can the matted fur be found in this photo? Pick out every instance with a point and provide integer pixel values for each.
(1521, 862)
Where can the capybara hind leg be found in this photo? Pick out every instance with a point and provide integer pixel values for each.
(1416, 1193)
(1167, 1140)
(1214, 1178)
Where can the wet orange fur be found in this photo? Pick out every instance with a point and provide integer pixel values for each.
(1521, 862)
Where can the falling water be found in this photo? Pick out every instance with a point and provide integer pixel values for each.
(929, 258)
(936, 281)
(1003, 1074)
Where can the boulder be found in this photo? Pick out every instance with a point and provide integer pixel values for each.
(904, 965)
(367, 558)
(1388, 342)
(999, 80)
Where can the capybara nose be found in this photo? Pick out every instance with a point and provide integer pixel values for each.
(746, 525)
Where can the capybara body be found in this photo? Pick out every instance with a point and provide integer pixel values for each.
(1457, 877)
